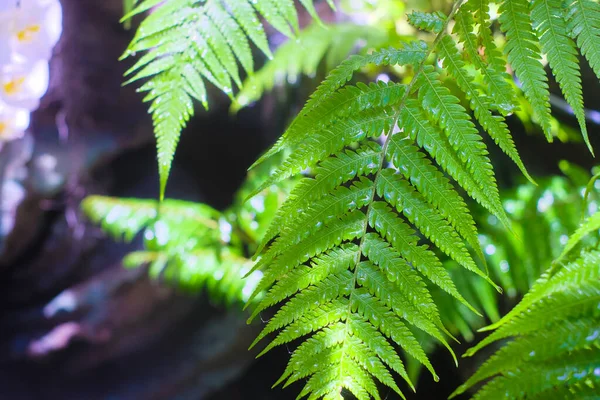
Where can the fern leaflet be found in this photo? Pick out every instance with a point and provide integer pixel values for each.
(562, 55)
(524, 56)
(584, 26)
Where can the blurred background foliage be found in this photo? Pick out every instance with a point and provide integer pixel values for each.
(543, 217)
(192, 245)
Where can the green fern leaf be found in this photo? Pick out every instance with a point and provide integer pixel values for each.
(568, 279)
(168, 227)
(493, 124)
(343, 262)
(430, 22)
(352, 263)
(124, 218)
(566, 337)
(524, 56)
(556, 338)
(189, 41)
(562, 55)
(535, 380)
(444, 108)
(584, 26)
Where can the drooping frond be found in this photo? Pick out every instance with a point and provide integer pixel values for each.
(584, 26)
(303, 56)
(124, 218)
(188, 42)
(524, 56)
(551, 26)
(555, 350)
(184, 244)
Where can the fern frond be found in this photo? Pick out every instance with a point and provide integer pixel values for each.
(556, 330)
(183, 244)
(444, 108)
(188, 42)
(547, 293)
(542, 217)
(493, 124)
(124, 218)
(303, 56)
(560, 49)
(524, 56)
(344, 262)
(584, 26)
